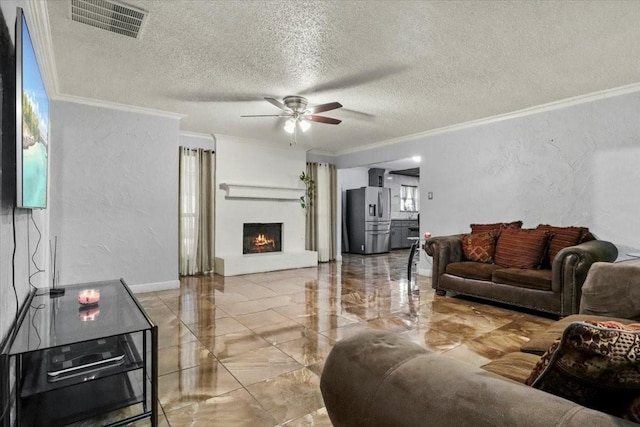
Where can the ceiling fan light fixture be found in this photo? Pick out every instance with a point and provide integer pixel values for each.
(290, 125)
(304, 125)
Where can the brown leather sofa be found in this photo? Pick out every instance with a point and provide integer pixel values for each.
(556, 290)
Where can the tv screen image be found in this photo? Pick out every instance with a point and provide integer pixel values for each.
(32, 107)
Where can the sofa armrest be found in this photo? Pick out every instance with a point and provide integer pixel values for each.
(381, 379)
(612, 290)
(443, 250)
(570, 268)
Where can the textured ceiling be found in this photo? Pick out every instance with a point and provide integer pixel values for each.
(399, 68)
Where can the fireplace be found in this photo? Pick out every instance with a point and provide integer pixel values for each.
(261, 238)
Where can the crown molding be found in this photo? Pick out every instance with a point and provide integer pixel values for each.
(315, 152)
(258, 142)
(197, 135)
(38, 19)
(117, 106)
(568, 102)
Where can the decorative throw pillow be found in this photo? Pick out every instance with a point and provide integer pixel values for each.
(479, 247)
(594, 364)
(498, 226)
(563, 237)
(521, 248)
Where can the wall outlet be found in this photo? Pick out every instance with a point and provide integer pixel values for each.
(430, 195)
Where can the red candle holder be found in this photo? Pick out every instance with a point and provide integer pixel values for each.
(89, 297)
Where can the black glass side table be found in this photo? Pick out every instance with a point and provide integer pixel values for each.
(66, 362)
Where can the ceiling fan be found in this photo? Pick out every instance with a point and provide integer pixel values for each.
(299, 115)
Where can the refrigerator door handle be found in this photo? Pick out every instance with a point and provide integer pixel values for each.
(379, 203)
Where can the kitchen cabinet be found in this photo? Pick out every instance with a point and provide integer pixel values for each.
(400, 232)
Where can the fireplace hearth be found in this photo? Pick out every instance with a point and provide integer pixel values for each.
(261, 237)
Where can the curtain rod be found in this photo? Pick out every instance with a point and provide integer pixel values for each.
(196, 149)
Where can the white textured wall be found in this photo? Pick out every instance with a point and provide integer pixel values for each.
(570, 166)
(575, 165)
(114, 195)
(242, 161)
(353, 178)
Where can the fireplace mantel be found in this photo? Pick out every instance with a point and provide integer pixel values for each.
(250, 191)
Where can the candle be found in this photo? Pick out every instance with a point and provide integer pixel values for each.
(88, 314)
(89, 296)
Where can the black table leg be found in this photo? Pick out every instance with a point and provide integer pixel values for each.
(412, 253)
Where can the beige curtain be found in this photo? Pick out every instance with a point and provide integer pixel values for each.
(196, 210)
(321, 214)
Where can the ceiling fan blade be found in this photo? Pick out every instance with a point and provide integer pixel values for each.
(324, 107)
(204, 96)
(357, 79)
(266, 115)
(359, 115)
(278, 104)
(322, 119)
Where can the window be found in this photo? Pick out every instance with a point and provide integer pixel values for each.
(408, 198)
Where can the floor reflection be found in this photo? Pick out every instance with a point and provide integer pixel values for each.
(248, 350)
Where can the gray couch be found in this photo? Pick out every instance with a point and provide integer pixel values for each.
(556, 290)
(382, 379)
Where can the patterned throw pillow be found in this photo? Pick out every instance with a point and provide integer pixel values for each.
(594, 364)
(563, 237)
(498, 226)
(521, 248)
(479, 247)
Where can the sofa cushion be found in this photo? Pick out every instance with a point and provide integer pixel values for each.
(524, 278)
(612, 289)
(593, 364)
(479, 247)
(521, 248)
(515, 366)
(497, 226)
(471, 270)
(541, 341)
(563, 237)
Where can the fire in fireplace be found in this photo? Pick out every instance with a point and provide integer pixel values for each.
(260, 238)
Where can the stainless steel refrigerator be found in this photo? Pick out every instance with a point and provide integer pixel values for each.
(369, 220)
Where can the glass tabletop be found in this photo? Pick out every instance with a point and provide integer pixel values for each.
(51, 322)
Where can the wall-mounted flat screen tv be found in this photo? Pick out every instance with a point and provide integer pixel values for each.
(32, 123)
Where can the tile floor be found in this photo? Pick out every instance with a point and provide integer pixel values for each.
(249, 350)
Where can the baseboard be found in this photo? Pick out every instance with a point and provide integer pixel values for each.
(425, 272)
(154, 287)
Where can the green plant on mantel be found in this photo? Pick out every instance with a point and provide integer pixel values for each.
(310, 185)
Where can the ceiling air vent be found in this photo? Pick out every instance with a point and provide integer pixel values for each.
(108, 15)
